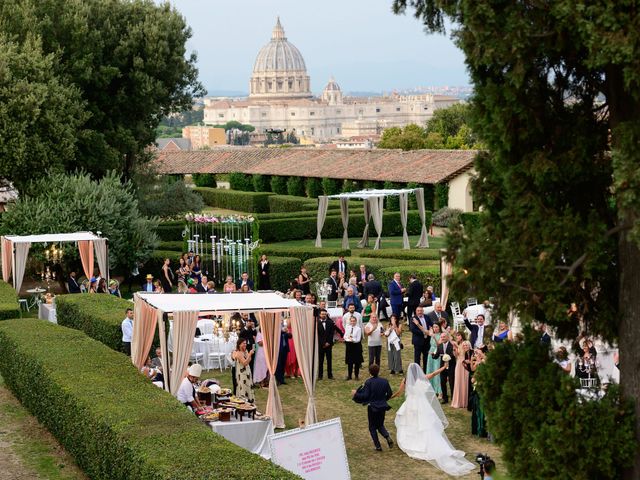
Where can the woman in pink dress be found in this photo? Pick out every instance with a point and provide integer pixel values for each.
(461, 385)
(260, 372)
(291, 367)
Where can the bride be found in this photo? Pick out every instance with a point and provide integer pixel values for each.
(420, 424)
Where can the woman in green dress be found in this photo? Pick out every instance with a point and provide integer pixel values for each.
(370, 308)
(433, 364)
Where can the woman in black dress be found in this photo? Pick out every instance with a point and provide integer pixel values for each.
(304, 281)
(264, 282)
(166, 276)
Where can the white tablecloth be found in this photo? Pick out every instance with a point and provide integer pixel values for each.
(207, 344)
(334, 312)
(252, 435)
(474, 310)
(47, 311)
(206, 327)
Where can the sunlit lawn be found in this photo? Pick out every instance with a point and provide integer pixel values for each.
(387, 242)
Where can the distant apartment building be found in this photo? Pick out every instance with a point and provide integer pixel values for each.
(204, 136)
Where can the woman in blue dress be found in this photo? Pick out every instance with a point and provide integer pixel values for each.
(433, 364)
(503, 333)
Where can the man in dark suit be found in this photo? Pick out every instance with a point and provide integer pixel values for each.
(363, 278)
(478, 332)
(340, 265)
(448, 375)
(74, 286)
(414, 294)
(372, 287)
(374, 393)
(333, 284)
(396, 293)
(201, 287)
(438, 313)
(244, 280)
(326, 330)
(420, 339)
(282, 354)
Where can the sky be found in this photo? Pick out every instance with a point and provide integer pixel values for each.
(360, 42)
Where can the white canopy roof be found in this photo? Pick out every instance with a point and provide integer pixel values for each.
(373, 193)
(53, 237)
(219, 302)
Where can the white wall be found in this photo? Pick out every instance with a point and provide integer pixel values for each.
(460, 191)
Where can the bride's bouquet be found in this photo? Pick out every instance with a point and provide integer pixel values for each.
(446, 357)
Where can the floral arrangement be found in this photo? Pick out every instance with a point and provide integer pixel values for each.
(446, 357)
(204, 218)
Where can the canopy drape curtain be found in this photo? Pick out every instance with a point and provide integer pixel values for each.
(270, 326)
(163, 346)
(446, 270)
(377, 207)
(344, 212)
(144, 328)
(101, 257)
(85, 247)
(404, 207)
(323, 203)
(184, 329)
(423, 241)
(306, 345)
(7, 256)
(20, 261)
(367, 217)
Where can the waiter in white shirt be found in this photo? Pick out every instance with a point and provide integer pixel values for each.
(351, 313)
(186, 392)
(353, 348)
(127, 331)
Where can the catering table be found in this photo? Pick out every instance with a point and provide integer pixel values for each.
(207, 344)
(252, 435)
(47, 311)
(474, 310)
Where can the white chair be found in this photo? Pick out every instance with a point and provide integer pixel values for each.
(205, 326)
(217, 356)
(197, 358)
(24, 304)
(472, 301)
(458, 318)
(331, 304)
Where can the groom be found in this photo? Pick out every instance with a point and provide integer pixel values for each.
(374, 393)
(445, 347)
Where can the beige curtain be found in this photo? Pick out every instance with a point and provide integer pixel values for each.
(101, 257)
(20, 261)
(86, 256)
(446, 270)
(323, 203)
(344, 212)
(270, 325)
(306, 345)
(377, 207)
(184, 329)
(163, 346)
(367, 217)
(404, 207)
(144, 328)
(7, 256)
(423, 241)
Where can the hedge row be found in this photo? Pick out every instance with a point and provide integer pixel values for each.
(153, 265)
(470, 219)
(172, 246)
(302, 253)
(253, 202)
(290, 203)
(99, 316)
(170, 231)
(108, 416)
(9, 307)
(399, 253)
(308, 214)
(282, 270)
(280, 230)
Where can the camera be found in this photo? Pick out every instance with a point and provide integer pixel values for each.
(486, 464)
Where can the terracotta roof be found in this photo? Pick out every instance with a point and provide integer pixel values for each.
(422, 166)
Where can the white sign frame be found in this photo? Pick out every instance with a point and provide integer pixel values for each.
(304, 447)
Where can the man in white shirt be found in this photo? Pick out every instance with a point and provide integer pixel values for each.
(127, 331)
(477, 331)
(351, 313)
(186, 392)
(353, 348)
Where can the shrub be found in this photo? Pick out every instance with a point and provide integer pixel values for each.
(261, 183)
(154, 264)
(400, 254)
(470, 220)
(313, 187)
(331, 186)
(302, 253)
(441, 195)
(241, 182)
(252, 202)
(292, 203)
(170, 231)
(392, 203)
(446, 216)
(295, 186)
(164, 197)
(204, 180)
(282, 271)
(351, 186)
(173, 246)
(108, 416)
(305, 213)
(279, 185)
(550, 415)
(9, 307)
(98, 315)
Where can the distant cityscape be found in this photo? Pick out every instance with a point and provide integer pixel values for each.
(461, 92)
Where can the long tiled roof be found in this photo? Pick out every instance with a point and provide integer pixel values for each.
(422, 166)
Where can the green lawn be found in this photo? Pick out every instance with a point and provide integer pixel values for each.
(387, 243)
(333, 399)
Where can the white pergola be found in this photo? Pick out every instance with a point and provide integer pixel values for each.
(373, 208)
(149, 310)
(15, 249)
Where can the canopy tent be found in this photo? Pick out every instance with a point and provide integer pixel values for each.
(373, 208)
(15, 249)
(149, 310)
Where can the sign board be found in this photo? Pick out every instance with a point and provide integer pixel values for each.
(316, 452)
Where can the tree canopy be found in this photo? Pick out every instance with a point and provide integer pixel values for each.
(557, 105)
(126, 61)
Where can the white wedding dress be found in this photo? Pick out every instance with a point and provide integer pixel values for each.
(420, 424)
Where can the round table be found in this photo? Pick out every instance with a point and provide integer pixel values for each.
(35, 296)
(207, 344)
(474, 310)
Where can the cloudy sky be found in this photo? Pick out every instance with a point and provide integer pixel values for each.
(360, 42)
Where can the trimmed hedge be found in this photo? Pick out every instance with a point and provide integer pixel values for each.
(170, 231)
(302, 253)
(9, 307)
(470, 220)
(172, 246)
(282, 271)
(331, 211)
(253, 202)
(108, 416)
(280, 230)
(99, 316)
(291, 203)
(400, 254)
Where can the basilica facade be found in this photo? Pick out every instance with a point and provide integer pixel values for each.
(280, 98)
